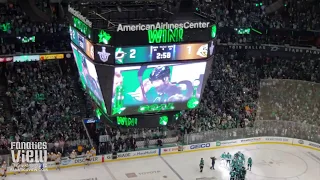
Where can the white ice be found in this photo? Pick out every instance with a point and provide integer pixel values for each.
(270, 162)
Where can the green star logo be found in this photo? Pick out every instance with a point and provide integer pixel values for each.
(104, 37)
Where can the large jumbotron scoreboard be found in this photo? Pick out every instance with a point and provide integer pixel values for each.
(143, 74)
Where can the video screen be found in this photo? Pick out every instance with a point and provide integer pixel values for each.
(88, 76)
(157, 88)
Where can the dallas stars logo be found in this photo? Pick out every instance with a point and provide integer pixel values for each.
(104, 37)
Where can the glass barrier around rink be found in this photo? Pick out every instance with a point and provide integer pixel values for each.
(261, 128)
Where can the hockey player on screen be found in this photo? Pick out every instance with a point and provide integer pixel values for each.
(90, 81)
(160, 80)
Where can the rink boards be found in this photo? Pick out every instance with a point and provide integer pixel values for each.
(182, 149)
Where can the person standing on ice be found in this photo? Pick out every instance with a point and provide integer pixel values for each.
(201, 164)
(249, 163)
(213, 161)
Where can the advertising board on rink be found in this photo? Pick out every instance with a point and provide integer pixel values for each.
(176, 149)
(277, 139)
(150, 152)
(199, 146)
(169, 150)
(301, 142)
(92, 159)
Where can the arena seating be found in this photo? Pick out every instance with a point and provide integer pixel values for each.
(240, 89)
(301, 14)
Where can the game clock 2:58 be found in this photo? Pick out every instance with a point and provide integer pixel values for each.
(162, 52)
(164, 55)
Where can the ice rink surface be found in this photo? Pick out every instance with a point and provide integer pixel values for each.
(279, 162)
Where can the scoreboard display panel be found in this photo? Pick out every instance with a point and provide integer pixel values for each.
(88, 76)
(142, 77)
(156, 53)
(157, 88)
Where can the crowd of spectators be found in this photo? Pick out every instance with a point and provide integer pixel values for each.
(242, 89)
(301, 14)
(15, 23)
(46, 104)
(290, 100)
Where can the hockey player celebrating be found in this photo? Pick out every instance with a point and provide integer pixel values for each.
(249, 163)
(201, 164)
(243, 173)
(228, 157)
(223, 158)
(58, 161)
(233, 174)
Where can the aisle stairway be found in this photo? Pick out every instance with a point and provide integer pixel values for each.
(83, 105)
(4, 99)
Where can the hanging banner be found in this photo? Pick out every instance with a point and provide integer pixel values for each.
(51, 56)
(274, 48)
(6, 59)
(26, 58)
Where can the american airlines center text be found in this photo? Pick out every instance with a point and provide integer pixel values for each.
(158, 25)
(29, 152)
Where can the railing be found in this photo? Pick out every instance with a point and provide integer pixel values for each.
(43, 56)
(261, 128)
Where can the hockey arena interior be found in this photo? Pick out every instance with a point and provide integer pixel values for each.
(159, 90)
